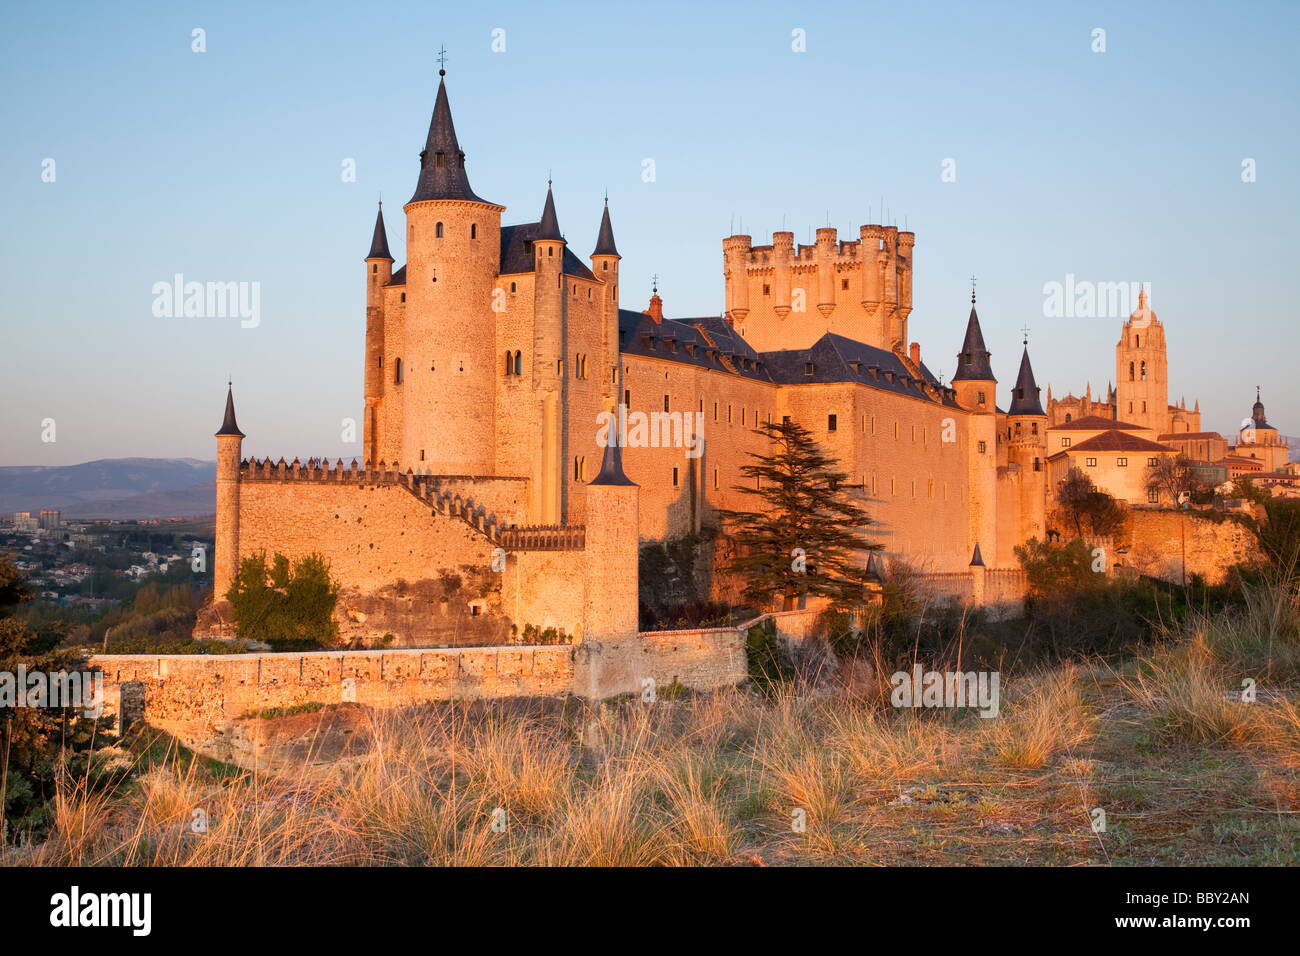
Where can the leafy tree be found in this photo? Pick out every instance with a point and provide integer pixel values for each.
(1279, 534)
(38, 745)
(290, 607)
(1056, 570)
(1172, 477)
(1247, 489)
(805, 538)
(1083, 503)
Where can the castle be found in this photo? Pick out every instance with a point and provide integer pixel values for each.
(495, 357)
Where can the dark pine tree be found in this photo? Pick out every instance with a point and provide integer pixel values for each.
(805, 538)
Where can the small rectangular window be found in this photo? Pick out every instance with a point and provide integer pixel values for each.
(830, 423)
(982, 446)
(1153, 496)
(1090, 462)
(1065, 443)
(1121, 462)
(665, 403)
(674, 477)
(627, 397)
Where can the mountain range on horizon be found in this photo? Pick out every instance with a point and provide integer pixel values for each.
(122, 488)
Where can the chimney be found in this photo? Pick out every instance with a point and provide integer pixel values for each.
(656, 310)
(916, 355)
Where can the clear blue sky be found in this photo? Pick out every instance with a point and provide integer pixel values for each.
(225, 165)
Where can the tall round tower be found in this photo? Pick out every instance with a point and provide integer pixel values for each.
(975, 386)
(549, 375)
(1027, 448)
(225, 562)
(453, 253)
(604, 265)
(379, 272)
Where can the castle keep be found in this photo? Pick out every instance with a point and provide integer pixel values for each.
(495, 352)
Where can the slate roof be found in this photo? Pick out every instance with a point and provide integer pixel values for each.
(709, 342)
(605, 238)
(549, 226)
(379, 244)
(973, 360)
(228, 425)
(517, 258)
(1024, 395)
(448, 181)
(706, 342)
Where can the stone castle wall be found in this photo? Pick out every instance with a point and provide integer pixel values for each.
(1158, 539)
(225, 687)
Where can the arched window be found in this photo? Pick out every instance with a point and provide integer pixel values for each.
(1069, 417)
(510, 365)
(397, 375)
(473, 230)
(512, 287)
(1137, 341)
(1130, 371)
(580, 468)
(519, 363)
(437, 230)
(1144, 371)
(550, 250)
(374, 268)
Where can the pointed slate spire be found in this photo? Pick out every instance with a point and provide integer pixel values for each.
(605, 239)
(1257, 411)
(1024, 396)
(379, 244)
(977, 559)
(229, 426)
(611, 466)
(973, 360)
(549, 227)
(442, 163)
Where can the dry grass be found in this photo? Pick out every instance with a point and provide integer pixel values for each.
(1185, 770)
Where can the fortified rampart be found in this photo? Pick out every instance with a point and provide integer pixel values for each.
(225, 687)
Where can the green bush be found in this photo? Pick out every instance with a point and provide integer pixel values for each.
(288, 607)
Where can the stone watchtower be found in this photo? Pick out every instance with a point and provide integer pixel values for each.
(1142, 371)
(604, 265)
(550, 381)
(447, 375)
(225, 563)
(976, 386)
(379, 272)
(1027, 449)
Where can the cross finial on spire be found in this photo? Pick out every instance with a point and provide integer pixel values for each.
(972, 290)
(1256, 393)
(654, 284)
(1024, 330)
(442, 61)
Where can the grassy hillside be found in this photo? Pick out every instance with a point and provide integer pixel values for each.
(1184, 769)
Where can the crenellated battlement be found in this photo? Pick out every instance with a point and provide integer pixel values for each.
(428, 488)
(861, 288)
